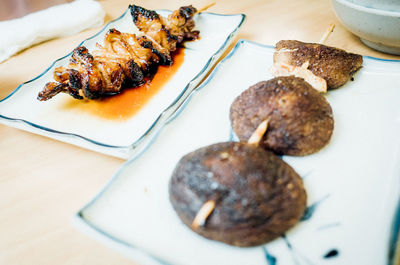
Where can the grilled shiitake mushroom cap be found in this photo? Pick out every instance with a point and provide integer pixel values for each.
(257, 195)
(334, 65)
(300, 120)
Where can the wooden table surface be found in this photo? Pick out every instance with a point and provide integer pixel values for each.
(43, 182)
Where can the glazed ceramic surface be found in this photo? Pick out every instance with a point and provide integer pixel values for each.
(377, 28)
(55, 119)
(388, 5)
(352, 184)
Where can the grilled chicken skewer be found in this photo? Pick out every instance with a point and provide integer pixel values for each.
(122, 61)
(125, 60)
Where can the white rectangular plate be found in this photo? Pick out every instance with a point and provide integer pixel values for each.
(21, 109)
(352, 184)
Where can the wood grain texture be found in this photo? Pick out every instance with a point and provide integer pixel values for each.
(43, 182)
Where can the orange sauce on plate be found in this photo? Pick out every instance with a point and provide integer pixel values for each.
(123, 106)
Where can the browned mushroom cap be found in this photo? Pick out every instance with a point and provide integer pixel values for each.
(334, 65)
(257, 195)
(300, 118)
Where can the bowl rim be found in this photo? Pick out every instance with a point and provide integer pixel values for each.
(368, 9)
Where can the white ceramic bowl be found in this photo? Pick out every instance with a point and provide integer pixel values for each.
(388, 5)
(377, 28)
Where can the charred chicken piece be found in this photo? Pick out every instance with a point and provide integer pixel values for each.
(322, 66)
(300, 119)
(257, 195)
(52, 88)
(149, 22)
(180, 24)
(122, 61)
(164, 34)
(126, 50)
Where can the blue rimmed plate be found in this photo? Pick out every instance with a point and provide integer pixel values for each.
(352, 184)
(56, 119)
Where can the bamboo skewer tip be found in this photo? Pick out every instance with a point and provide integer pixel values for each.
(204, 8)
(258, 133)
(327, 33)
(202, 215)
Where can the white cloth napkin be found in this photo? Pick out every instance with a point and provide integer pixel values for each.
(56, 21)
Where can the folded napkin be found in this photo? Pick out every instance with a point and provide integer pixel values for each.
(56, 21)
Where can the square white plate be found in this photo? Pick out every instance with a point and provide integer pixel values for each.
(21, 109)
(352, 184)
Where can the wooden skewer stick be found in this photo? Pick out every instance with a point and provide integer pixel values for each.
(327, 33)
(202, 215)
(258, 133)
(205, 7)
